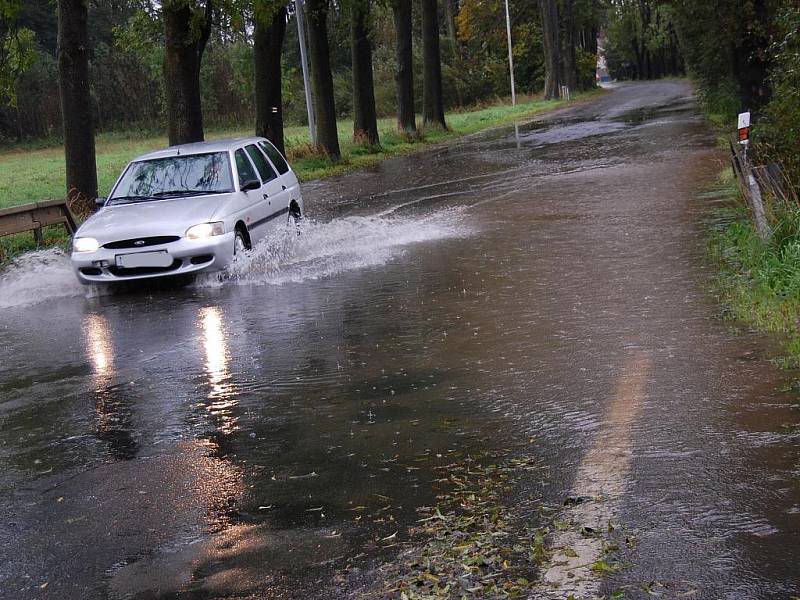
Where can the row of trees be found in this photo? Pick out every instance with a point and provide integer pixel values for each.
(643, 40)
(468, 33)
(569, 31)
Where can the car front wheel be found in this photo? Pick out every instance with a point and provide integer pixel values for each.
(294, 216)
(239, 244)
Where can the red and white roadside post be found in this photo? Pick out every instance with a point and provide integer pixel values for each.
(744, 130)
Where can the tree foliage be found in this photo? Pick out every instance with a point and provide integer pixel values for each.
(778, 134)
(482, 30)
(17, 50)
(643, 40)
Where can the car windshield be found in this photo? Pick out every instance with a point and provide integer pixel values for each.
(174, 176)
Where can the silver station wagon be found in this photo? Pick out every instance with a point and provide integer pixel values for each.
(187, 209)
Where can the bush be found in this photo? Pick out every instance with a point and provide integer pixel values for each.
(778, 134)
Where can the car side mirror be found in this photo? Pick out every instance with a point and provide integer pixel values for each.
(250, 184)
(100, 202)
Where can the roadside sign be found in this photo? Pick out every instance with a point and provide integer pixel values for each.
(744, 127)
(744, 120)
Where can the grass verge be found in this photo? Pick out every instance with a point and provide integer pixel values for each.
(758, 282)
(33, 173)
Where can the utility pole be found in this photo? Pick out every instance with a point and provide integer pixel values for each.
(510, 57)
(301, 36)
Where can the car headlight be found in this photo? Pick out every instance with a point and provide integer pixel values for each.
(85, 244)
(205, 230)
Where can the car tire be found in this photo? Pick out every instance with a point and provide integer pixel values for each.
(239, 244)
(295, 217)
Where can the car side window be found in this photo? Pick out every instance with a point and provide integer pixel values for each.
(264, 168)
(275, 156)
(244, 168)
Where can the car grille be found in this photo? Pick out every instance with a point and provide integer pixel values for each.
(132, 272)
(142, 242)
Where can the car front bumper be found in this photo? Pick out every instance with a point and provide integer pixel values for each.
(188, 257)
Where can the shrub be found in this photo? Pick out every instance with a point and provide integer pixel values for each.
(778, 135)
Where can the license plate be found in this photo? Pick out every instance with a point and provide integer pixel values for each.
(144, 259)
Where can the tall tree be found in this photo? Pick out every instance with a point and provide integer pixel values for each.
(552, 48)
(588, 43)
(365, 119)
(432, 99)
(76, 104)
(569, 74)
(268, 34)
(187, 27)
(450, 23)
(404, 76)
(321, 78)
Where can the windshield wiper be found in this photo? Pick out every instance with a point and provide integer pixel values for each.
(186, 193)
(131, 199)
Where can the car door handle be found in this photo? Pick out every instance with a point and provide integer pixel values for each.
(283, 187)
(266, 196)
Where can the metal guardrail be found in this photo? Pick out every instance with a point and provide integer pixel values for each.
(32, 217)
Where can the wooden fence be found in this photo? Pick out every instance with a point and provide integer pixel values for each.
(762, 187)
(32, 217)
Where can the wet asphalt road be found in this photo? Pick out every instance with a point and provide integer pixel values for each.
(542, 294)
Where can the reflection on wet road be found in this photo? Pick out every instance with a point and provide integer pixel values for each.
(273, 434)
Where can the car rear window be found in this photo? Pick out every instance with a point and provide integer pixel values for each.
(264, 168)
(275, 156)
(244, 168)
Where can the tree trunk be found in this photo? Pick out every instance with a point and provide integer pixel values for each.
(76, 105)
(569, 41)
(432, 100)
(639, 59)
(365, 120)
(552, 49)
(404, 78)
(676, 65)
(752, 63)
(183, 52)
(268, 43)
(590, 46)
(321, 78)
(450, 23)
(646, 69)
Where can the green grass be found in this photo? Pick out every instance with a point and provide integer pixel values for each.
(758, 282)
(33, 172)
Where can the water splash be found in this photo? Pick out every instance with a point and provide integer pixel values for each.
(325, 249)
(321, 250)
(37, 277)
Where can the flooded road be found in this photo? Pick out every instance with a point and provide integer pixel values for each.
(273, 435)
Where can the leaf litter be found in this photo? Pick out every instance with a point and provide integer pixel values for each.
(473, 543)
